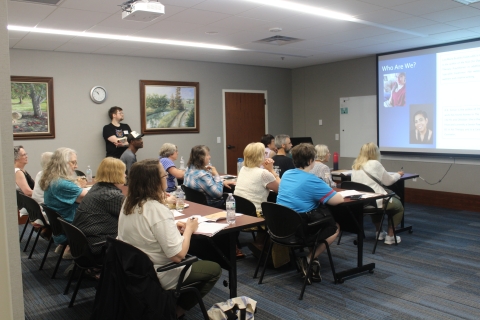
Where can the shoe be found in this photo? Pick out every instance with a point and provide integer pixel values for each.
(316, 277)
(391, 240)
(382, 236)
(58, 249)
(240, 254)
(303, 265)
(67, 256)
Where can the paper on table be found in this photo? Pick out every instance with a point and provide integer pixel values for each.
(177, 213)
(210, 229)
(342, 172)
(349, 193)
(216, 216)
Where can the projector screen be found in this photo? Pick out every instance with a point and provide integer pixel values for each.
(429, 100)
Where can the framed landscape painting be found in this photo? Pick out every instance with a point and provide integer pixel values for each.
(32, 108)
(169, 107)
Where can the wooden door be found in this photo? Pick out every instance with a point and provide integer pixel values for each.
(245, 123)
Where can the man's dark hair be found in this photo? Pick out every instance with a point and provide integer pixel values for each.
(267, 139)
(113, 110)
(423, 113)
(197, 157)
(303, 154)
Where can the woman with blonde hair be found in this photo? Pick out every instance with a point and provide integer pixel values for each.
(320, 169)
(62, 192)
(23, 181)
(368, 170)
(253, 182)
(146, 223)
(168, 154)
(97, 215)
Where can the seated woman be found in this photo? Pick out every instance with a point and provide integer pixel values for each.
(320, 169)
(303, 192)
(62, 192)
(23, 181)
(368, 170)
(97, 214)
(269, 142)
(203, 177)
(37, 191)
(146, 223)
(168, 154)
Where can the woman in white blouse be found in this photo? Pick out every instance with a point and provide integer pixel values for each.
(253, 182)
(366, 166)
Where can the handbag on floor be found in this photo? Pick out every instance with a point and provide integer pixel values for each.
(241, 308)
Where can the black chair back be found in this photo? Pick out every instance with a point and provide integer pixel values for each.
(52, 215)
(245, 206)
(194, 195)
(283, 223)
(78, 245)
(19, 199)
(33, 209)
(350, 185)
(79, 173)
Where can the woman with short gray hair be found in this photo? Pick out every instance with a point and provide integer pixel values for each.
(168, 154)
(320, 169)
(37, 191)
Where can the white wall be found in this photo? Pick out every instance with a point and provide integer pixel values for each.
(79, 121)
(316, 91)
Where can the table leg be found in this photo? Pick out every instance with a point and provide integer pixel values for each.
(399, 189)
(232, 274)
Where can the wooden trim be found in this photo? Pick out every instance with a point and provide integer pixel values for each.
(450, 200)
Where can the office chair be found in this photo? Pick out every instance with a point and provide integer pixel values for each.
(371, 208)
(194, 195)
(287, 228)
(57, 230)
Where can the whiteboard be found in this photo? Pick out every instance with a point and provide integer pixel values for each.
(358, 124)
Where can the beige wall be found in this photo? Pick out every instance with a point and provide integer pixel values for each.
(11, 293)
(316, 91)
(79, 121)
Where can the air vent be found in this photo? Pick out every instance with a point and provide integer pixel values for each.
(278, 40)
(47, 2)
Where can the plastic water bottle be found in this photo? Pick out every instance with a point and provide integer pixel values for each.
(239, 165)
(230, 204)
(182, 164)
(180, 199)
(89, 174)
(335, 161)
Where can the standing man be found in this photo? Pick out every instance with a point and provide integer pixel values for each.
(283, 145)
(135, 142)
(115, 133)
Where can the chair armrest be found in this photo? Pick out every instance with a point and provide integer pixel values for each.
(189, 259)
(318, 222)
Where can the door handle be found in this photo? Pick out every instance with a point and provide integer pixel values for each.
(230, 147)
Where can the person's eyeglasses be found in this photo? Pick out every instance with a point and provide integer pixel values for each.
(24, 155)
(164, 176)
(73, 162)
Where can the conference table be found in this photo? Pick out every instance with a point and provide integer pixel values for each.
(398, 187)
(349, 215)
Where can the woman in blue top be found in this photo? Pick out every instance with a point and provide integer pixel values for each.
(63, 192)
(168, 154)
(304, 192)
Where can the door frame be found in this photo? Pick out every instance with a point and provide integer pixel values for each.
(224, 91)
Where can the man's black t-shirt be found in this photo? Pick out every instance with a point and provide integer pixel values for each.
(284, 163)
(120, 132)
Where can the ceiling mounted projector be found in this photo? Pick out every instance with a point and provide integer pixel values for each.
(142, 11)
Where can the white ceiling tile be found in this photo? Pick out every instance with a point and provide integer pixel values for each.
(453, 14)
(389, 3)
(181, 3)
(455, 35)
(351, 7)
(358, 43)
(394, 36)
(110, 30)
(421, 7)
(384, 16)
(466, 23)
(238, 23)
(13, 34)
(47, 37)
(38, 44)
(267, 13)
(476, 29)
(27, 14)
(410, 23)
(198, 16)
(167, 29)
(78, 20)
(226, 6)
(435, 28)
(108, 6)
(83, 45)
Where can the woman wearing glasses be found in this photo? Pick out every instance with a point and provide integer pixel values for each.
(63, 192)
(320, 169)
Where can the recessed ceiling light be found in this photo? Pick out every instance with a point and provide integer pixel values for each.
(275, 29)
(211, 33)
(467, 2)
(122, 38)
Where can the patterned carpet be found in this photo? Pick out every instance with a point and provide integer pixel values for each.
(433, 274)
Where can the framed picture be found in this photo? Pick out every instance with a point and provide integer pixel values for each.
(32, 108)
(169, 107)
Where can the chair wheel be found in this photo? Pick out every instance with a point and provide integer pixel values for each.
(355, 242)
(340, 281)
(370, 271)
(410, 231)
(225, 283)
